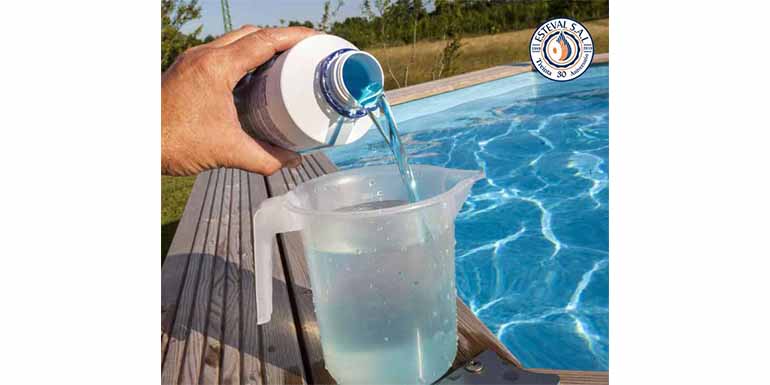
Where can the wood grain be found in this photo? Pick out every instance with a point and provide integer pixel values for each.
(251, 333)
(175, 267)
(196, 340)
(578, 377)
(230, 370)
(281, 359)
(214, 343)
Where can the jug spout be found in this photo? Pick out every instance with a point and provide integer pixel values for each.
(461, 182)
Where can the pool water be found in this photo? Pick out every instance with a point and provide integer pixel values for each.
(532, 256)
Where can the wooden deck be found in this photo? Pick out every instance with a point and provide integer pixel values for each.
(209, 331)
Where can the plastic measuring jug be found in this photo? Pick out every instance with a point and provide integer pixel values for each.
(382, 270)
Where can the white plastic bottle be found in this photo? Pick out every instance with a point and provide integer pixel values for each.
(305, 98)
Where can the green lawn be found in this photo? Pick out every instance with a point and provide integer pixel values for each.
(173, 195)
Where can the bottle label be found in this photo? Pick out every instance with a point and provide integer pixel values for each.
(256, 116)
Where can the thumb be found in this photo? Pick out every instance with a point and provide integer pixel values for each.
(262, 157)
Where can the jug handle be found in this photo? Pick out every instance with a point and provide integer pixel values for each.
(270, 219)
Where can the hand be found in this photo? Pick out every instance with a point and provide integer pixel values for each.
(199, 123)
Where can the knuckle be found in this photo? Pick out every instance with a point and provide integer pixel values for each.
(265, 36)
(306, 29)
(249, 27)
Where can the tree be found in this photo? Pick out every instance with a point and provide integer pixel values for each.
(452, 16)
(297, 23)
(173, 15)
(329, 14)
(416, 12)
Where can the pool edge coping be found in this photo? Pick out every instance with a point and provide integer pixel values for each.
(468, 79)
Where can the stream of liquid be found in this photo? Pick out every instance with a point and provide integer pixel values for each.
(371, 95)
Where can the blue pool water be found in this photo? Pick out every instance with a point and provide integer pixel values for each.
(532, 239)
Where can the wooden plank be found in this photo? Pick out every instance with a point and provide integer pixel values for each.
(231, 358)
(310, 164)
(213, 347)
(196, 341)
(577, 377)
(175, 267)
(251, 336)
(301, 173)
(474, 337)
(290, 176)
(281, 359)
(299, 278)
(468, 79)
(324, 163)
(181, 331)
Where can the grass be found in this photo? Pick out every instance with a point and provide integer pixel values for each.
(173, 195)
(476, 53)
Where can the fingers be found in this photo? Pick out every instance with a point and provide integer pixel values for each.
(261, 157)
(233, 36)
(255, 48)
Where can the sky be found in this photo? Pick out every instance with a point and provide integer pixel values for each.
(265, 12)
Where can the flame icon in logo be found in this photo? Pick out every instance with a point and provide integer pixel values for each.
(563, 50)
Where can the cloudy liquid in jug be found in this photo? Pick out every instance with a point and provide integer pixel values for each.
(386, 312)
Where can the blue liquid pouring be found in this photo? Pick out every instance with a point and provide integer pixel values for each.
(357, 76)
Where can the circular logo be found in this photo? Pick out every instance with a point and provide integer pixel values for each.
(561, 49)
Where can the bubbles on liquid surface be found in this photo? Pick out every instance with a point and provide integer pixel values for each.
(386, 339)
(373, 205)
(371, 183)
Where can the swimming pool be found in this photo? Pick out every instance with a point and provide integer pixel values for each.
(532, 239)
